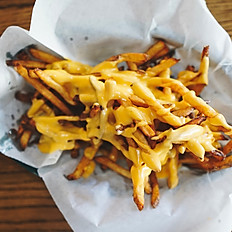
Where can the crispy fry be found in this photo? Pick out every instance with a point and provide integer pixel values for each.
(217, 154)
(130, 57)
(112, 165)
(75, 151)
(156, 50)
(147, 130)
(131, 142)
(162, 53)
(23, 97)
(139, 137)
(26, 63)
(78, 172)
(154, 71)
(32, 74)
(227, 148)
(113, 154)
(209, 165)
(20, 131)
(22, 55)
(140, 113)
(43, 56)
(155, 196)
(183, 112)
(88, 170)
(147, 187)
(134, 57)
(173, 169)
(43, 90)
(190, 68)
(138, 186)
(137, 101)
(205, 52)
(24, 139)
(197, 88)
(132, 66)
(54, 85)
(197, 120)
(220, 136)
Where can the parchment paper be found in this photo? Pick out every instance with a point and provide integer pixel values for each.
(91, 31)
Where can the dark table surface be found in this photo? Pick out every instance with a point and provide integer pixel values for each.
(25, 203)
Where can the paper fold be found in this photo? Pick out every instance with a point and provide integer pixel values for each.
(13, 40)
(90, 32)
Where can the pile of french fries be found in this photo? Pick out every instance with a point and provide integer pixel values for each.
(127, 107)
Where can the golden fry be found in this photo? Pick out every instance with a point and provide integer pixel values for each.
(227, 148)
(137, 101)
(43, 56)
(155, 196)
(23, 97)
(173, 170)
(130, 57)
(147, 185)
(26, 63)
(138, 112)
(197, 120)
(132, 66)
(75, 151)
(162, 53)
(78, 172)
(208, 165)
(112, 165)
(147, 130)
(54, 85)
(43, 90)
(113, 154)
(157, 69)
(131, 142)
(156, 49)
(89, 169)
(24, 139)
(183, 112)
(197, 88)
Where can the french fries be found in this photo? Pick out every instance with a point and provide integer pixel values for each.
(140, 114)
(155, 197)
(112, 165)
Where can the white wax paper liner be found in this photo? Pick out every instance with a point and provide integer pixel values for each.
(91, 31)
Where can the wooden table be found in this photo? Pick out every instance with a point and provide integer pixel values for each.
(25, 204)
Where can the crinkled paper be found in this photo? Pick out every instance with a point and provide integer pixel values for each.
(91, 31)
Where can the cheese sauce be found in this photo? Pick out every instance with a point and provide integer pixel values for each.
(103, 84)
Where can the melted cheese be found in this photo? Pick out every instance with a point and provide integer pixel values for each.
(105, 83)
